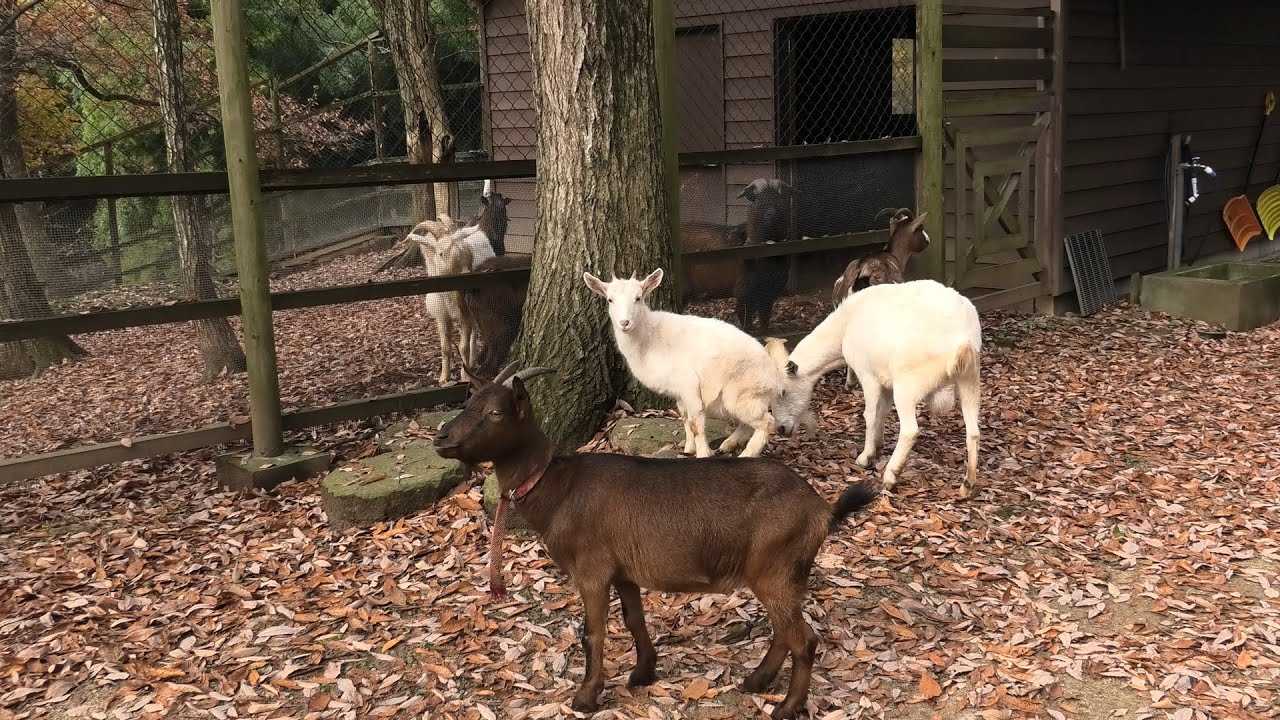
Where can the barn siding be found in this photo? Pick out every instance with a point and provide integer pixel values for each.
(1193, 67)
(745, 118)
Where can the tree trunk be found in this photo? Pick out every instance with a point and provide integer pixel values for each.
(601, 205)
(218, 345)
(22, 294)
(411, 38)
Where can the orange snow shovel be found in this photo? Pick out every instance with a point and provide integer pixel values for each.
(1238, 213)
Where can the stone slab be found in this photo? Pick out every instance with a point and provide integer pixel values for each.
(388, 486)
(660, 436)
(1238, 296)
(428, 423)
(245, 471)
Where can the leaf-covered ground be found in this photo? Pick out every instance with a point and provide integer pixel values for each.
(1121, 558)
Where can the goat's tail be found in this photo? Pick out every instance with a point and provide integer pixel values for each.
(858, 496)
(964, 361)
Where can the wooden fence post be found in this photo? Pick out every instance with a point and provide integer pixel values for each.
(113, 219)
(379, 143)
(929, 120)
(247, 226)
(664, 62)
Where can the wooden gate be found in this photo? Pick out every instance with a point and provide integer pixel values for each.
(997, 114)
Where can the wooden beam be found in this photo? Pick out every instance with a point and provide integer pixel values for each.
(88, 456)
(1004, 275)
(992, 10)
(387, 174)
(930, 183)
(1050, 212)
(1005, 298)
(976, 36)
(79, 323)
(248, 229)
(992, 70)
(1005, 102)
(664, 63)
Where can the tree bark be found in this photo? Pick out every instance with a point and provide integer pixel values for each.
(218, 345)
(601, 205)
(30, 216)
(22, 293)
(411, 38)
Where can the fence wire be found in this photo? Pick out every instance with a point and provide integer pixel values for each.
(87, 84)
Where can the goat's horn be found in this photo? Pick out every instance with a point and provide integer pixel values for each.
(488, 187)
(506, 373)
(528, 374)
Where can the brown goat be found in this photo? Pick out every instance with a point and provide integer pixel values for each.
(493, 218)
(671, 525)
(495, 313)
(906, 237)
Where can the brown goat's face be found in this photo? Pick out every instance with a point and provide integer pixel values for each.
(904, 228)
(491, 426)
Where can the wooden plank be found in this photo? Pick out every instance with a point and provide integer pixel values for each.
(999, 167)
(1004, 275)
(977, 36)
(991, 70)
(1001, 242)
(74, 324)
(1008, 102)
(930, 74)
(798, 152)
(995, 10)
(1004, 298)
(88, 456)
(665, 61)
(1004, 136)
(215, 183)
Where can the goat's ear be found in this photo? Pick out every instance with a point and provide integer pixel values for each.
(792, 368)
(752, 190)
(651, 282)
(520, 398)
(596, 284)
(919, 219)
(505, 201)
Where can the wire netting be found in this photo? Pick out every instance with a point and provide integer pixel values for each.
(94, 90)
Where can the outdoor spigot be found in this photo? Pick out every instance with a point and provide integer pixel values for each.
(1196, 167)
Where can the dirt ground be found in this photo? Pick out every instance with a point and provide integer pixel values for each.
(1121, 558)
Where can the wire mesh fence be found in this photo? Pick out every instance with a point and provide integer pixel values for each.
(328, 92)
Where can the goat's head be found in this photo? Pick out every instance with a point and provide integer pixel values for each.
(906, 230)
(790, 408)
(769, 216)
(497, 421)
(626, 296)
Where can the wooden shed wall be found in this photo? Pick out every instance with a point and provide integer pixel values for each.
(744, 119)
(1195, 67)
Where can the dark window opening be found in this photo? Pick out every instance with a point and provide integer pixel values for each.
(845, 76)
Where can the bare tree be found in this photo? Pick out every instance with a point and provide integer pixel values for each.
(218, 345)
(601, 205)
(22, 293)
(406, 24)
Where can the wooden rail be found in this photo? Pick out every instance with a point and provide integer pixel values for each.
(88, 456)
(389, 174)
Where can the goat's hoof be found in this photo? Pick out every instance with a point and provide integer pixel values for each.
(757, 683)
(784, 712)
(889, 479)
(585, 702)
(966, 491)
(643, 675)
(864, 460)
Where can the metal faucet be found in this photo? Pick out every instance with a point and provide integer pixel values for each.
(1196, 167)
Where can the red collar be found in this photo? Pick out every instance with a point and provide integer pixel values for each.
(518, 493)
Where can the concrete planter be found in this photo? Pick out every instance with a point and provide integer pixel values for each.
(1239, 296)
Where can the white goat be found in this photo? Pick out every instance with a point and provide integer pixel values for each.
(710, 367)
(918, 340)
(445, 254)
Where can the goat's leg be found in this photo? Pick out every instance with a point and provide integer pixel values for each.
(446, 348)
(904, 400)
(848, 378)
(877, 402)
(760, 437)
(782, 598)
(736, 439)
(688, 427)
(595, 599)
(646, 671)
(467, 358)
(698, 423)
(969, 394)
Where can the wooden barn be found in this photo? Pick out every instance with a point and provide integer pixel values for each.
(1057, 116)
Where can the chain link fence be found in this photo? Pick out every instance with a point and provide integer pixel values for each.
(830, 83)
